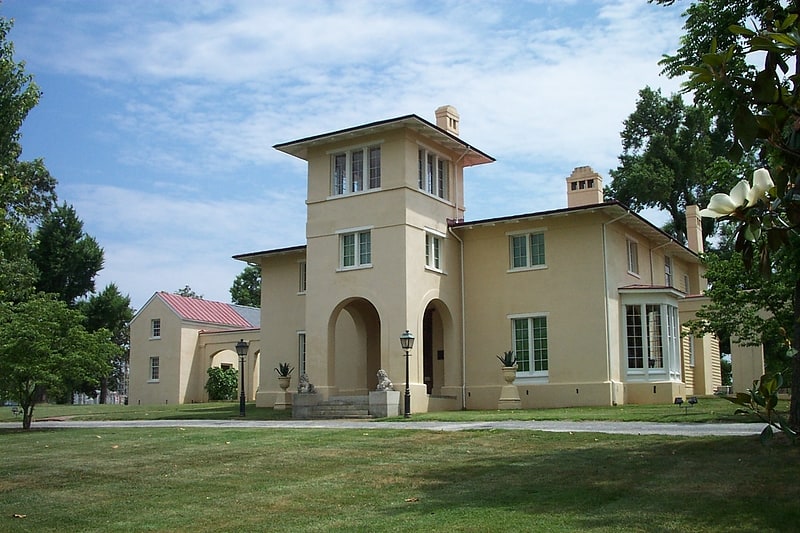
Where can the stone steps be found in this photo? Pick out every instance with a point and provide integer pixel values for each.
(350, 407)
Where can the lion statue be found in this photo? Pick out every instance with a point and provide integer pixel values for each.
(305, 386)
(384, 383)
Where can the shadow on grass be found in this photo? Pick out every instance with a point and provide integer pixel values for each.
(640, 483)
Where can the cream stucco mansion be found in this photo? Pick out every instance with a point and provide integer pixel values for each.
(590, 297)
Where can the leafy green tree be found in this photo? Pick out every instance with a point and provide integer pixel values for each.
(27, 190)
(745, 306)
(672, 157)
(246, 289)
(44, 346)
(222, 383)
(188, 293)
(112, 311)
(765, 105)
(67, 258)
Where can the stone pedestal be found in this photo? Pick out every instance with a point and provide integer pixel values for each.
(283, 401)
(303, 403)
(383, 403)
(284, 398)
(509, 394)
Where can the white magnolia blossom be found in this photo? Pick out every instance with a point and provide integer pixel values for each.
(742, 195)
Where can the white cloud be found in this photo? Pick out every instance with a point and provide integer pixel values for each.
(194, 94)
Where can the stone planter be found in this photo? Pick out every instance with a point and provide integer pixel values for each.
(509, 395)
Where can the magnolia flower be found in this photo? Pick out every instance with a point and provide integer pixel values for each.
(741, 196)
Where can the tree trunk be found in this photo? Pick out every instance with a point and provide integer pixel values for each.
(103, 390)
(794, 405)
(27, 416)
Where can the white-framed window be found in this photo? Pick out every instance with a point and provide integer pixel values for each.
(434, 174)
(355, 170)
(652, 340)
(529, 338)
(690, 347)
(355, 249)
(301, 351)
(667, 271)
(526, 250)
(154, 368)
(155, 328)
(434, 242)
(301, 268)
(633, 256)
(686, 283)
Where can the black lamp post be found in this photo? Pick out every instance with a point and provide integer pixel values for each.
(241, 349)
(407, 342)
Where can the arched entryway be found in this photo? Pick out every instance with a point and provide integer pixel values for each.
(230, 359)
(355, 340)
(436, 332)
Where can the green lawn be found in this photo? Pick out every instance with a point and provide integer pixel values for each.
(193, 479)
(709, 409)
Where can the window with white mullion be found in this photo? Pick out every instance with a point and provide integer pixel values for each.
(433, 251)
(355, 249)
(527, 250)
(434, 175)
(652, 341)
(355, 170)
(530, 345)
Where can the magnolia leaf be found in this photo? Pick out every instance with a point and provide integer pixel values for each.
(787, 22)
(746, 126)
(713, 60)
(764, 87)
(766, 435)
(764, 263)
(741, 30)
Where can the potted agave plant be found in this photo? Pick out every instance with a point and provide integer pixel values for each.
(509, 395)
(509, 366)
(284, 371)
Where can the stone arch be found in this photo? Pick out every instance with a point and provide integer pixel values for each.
(354, 346)
(441, 364)
(229, 357)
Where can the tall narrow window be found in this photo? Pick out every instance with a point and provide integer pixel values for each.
(433, 251)
(154, 368)
(357, 171)
(527, 250)
(356, 249)
(302, 277)
(374, 167)
(339, 173)
(667, 271)
(633, 319)
(633, 256)
(530, 344)
(155, 328)
(301, 351)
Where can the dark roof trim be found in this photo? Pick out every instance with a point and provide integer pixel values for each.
(612, 205)
(299, 147)
(277, 251)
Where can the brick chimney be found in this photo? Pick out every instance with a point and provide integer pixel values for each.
(694, 229)
(584, 187)
(447, 119)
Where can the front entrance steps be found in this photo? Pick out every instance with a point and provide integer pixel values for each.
(350, 407)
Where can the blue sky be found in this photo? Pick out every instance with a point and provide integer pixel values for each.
(158, 118)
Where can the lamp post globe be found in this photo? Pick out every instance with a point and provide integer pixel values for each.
(407, 342)
(241, 349)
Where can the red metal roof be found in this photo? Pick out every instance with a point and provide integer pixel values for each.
(198, 310)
